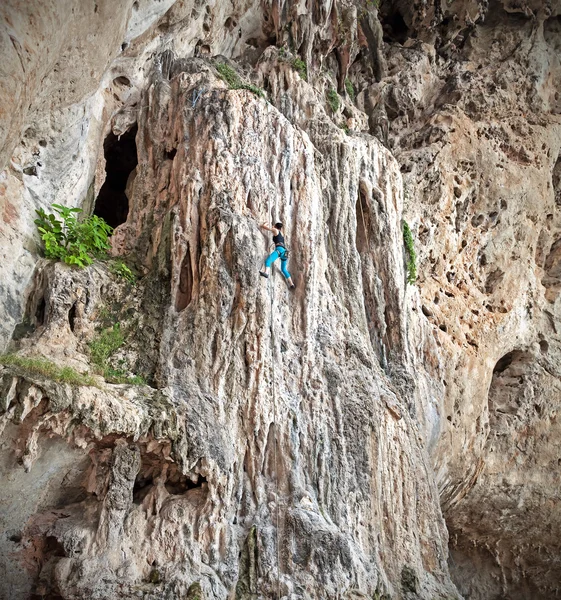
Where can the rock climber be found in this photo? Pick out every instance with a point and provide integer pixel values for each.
(280, 251)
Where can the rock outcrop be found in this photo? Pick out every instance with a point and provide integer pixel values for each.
(239, 439)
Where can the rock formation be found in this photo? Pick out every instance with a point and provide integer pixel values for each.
(360, 437)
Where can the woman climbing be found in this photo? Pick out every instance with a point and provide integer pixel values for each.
(280, 251)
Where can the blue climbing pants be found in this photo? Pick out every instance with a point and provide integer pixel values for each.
(278, 253)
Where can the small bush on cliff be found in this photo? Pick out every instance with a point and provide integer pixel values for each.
(333, 100)
(411, 254)
(235, 82)
(350, 89)
(120, 269)
(73, 241)
(301, 67)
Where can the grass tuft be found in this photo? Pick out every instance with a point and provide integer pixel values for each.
(235, 82)
(102, 348)
(48, 369)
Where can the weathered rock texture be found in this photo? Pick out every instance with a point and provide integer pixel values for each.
(303, 444)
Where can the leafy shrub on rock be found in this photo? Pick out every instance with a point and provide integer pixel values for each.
(73, 241)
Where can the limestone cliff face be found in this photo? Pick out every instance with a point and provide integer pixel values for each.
(321, 443)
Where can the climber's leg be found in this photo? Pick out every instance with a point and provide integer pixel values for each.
(284, 269)
(268, 262)
(284, 262)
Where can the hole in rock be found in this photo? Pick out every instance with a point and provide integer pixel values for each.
(178, 484)
(544, 347)
(504, 362)
(121, 159)
(185, 290)
(53, 547)
(40, 312)
(395, 28)
(122, 80)
(72, 317)
(171, 154)
(141, 488)
(16, 538)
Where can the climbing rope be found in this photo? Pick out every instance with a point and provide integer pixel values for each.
(273, 374)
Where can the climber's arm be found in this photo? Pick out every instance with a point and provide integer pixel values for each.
(269, 228)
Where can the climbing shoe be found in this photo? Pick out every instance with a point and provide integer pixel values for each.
(263, 274)
(292, 287)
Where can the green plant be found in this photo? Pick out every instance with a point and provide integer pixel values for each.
(411, 254)
(345, 128)
(103, 347)
(333, 100)
(73, 241)
(235, 82)
(350, 89)
(301, 67)
(120, 269)
(46, 368)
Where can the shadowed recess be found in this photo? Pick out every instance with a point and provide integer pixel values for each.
(121, 159)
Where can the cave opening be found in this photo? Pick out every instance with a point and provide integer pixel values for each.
(395, 29)
(72, 317)
(177, 484)
(40, 312)
(504, 362)
(121, 159)
(185, 290)
(142, 486)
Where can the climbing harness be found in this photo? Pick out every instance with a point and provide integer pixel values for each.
(286, 254)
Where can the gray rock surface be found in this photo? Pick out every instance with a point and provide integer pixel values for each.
(306, 444)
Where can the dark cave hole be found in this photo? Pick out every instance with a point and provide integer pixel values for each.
(185, 290)
(504, 363)
(122, 80)
(16, 538)
(40, 312)
(141, 487)
(179, 484)
(121, 159)
(395, 28)
(72, 317)
(171, 154)
(54, 547)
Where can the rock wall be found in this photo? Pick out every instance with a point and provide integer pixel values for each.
(304, 444)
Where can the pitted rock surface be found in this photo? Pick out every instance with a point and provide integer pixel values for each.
(337, 441)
